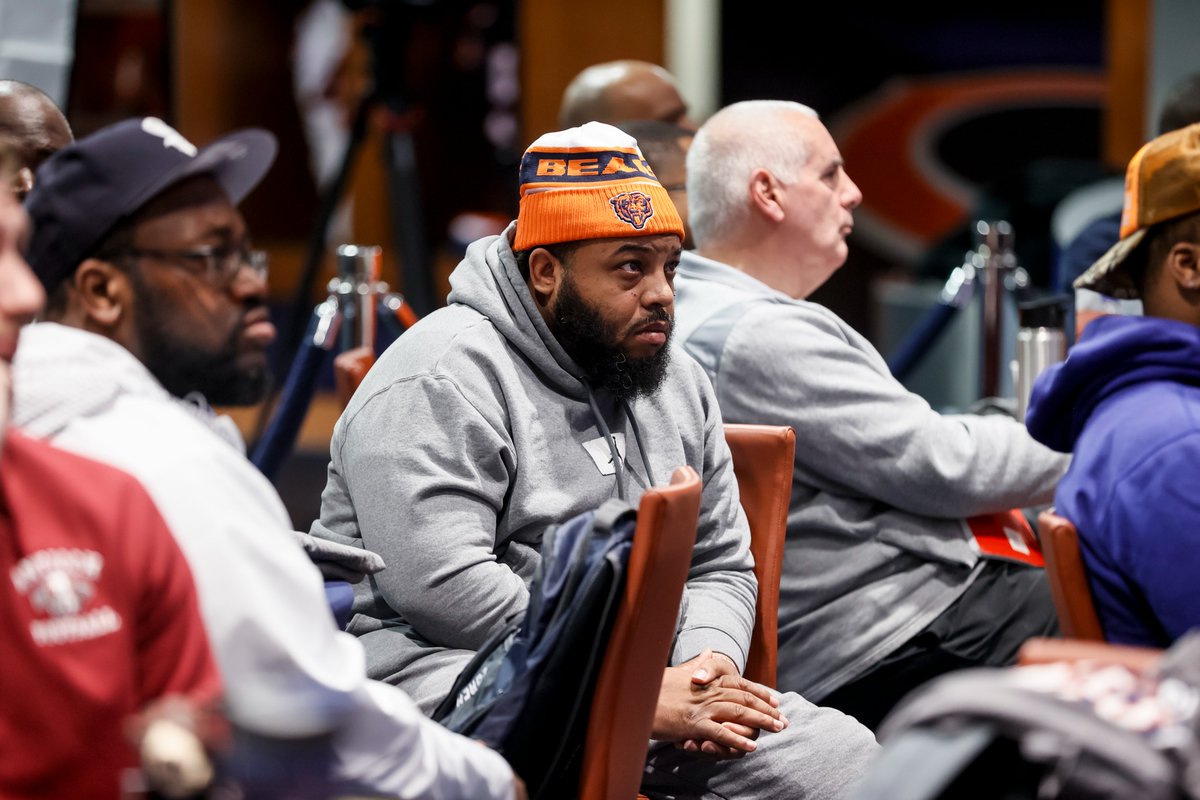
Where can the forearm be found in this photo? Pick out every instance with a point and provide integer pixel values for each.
(919, 461)
(717, 611)
(715, 618)
(390, 747)
(860, 432)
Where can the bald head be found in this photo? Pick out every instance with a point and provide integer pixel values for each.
(30, 120)
(617, 91)
(756, 134)
(769, 194)
(664, 145)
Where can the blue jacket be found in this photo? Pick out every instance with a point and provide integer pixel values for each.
(1127, 402)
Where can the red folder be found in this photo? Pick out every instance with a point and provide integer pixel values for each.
(1006, 535)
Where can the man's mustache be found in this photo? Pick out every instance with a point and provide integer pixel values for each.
(655, 316)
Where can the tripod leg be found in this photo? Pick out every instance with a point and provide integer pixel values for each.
(277, 443)
(408, 221)
(920, 340)
(396, 314)
(315, 248)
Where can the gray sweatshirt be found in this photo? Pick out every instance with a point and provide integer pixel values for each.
(877, 544)
(471, 435)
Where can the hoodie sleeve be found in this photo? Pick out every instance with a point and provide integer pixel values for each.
(427, 476)
(721, 591)
(859, 431)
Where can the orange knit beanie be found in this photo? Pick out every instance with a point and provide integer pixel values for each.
(590, 182)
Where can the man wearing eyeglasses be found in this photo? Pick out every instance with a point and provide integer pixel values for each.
(157, 308)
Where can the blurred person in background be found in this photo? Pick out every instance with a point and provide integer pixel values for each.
(665, 146)
(616, 91)
(33, 127)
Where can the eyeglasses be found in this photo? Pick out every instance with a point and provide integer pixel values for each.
(220, 265)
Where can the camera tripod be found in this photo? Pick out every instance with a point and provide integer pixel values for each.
(385, 31)
(347, 319)
(386, 27)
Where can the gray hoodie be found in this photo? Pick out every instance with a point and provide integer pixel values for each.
(877, 546)
(471, 435)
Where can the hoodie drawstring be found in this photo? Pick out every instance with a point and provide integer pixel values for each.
(637, 437)
(618, 466)
(608, 437)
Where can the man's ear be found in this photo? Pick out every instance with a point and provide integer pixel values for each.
(22, 182)
(1183, 266)
(545, 274)
(104, 294)
(765, 195)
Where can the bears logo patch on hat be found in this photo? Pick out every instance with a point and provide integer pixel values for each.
(634, 208)
(590, 182)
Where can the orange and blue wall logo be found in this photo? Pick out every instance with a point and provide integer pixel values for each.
(890, 140)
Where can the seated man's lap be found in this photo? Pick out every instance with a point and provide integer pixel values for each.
(1006, 604)
(821, 755)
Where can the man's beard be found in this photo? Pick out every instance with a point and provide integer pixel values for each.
(183, 368)
(595, 345)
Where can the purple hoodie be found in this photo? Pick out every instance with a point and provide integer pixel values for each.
(1127, 403)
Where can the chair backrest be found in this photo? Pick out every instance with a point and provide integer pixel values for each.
(1068, 578)
(349, 369)
(1040, 650)
(763, 461)
(627, 689)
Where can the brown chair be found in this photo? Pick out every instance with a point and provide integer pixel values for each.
(763, 461)
(627, 688)
(1068, 578)
(349, 369)
(1039, 650)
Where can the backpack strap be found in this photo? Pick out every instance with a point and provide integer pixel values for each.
(604, 523)
(610, 514)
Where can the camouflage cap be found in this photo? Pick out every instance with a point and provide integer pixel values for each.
(1162, 183)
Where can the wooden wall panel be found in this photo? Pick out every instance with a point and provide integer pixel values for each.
(557, 39)
(1128, 41)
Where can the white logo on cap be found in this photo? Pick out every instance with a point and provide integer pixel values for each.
(171, 137)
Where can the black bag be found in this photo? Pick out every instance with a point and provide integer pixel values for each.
(1078, 731)
(527, 693)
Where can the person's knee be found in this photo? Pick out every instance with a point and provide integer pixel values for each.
(838, 737)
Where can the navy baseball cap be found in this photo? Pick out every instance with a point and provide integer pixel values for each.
(84, 190)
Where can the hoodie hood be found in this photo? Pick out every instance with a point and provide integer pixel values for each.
(488, 281)
(1114, 354)
(61, 374)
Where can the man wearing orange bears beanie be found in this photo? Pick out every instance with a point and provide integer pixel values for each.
(545, 387)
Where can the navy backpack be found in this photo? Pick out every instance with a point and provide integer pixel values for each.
(527, 692)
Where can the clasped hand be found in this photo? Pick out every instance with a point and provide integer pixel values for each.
(706, 706)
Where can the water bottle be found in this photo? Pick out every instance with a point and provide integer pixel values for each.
(1041, 341)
